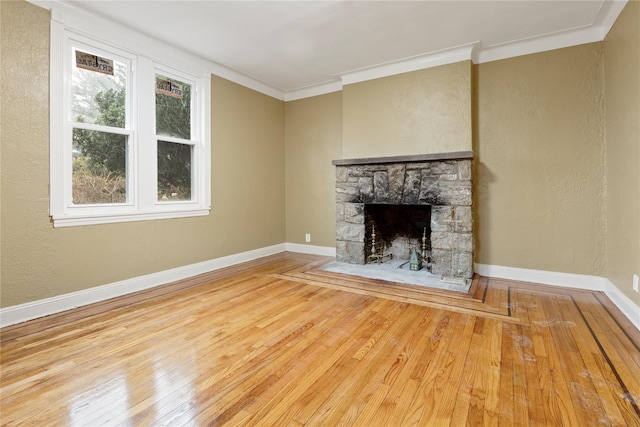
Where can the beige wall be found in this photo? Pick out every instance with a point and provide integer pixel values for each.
(314, 139)
(38, 261)
(426, 111)
(540, 161)
(622, 130)
(549, 131)
(248, 169)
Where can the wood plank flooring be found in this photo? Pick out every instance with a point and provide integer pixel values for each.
(280, 342)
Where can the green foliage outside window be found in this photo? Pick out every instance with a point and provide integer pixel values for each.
(173, 118)
(100, 158)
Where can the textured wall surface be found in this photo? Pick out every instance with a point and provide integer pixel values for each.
(39, 261)
(540, 167)
(622, 116)
(24, 115)
(247, 168)
(314, 139)
(540, 124)
(421, 112)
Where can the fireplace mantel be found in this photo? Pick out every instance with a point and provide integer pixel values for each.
(457, 155)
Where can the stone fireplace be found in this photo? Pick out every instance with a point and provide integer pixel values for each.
(406, 198)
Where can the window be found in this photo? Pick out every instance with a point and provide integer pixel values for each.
(129, 135)
(100, 124)
(173, 135)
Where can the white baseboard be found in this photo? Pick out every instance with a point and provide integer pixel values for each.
(623, 302)
(568, 280)
(32, 310)
(311, 249)
(554, 278)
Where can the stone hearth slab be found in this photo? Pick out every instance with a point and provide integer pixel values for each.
(391, 272)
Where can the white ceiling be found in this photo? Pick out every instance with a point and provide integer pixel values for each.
(295, 46)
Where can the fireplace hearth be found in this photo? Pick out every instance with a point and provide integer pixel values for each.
(403, 198)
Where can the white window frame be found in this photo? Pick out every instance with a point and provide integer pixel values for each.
(74, 41)
(195, 125)
(147, 57)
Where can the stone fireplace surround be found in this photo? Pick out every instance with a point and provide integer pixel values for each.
(442, 181)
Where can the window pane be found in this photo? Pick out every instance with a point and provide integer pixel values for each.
(96, 97)
(174, 171)
(173, 108)
(99, 167)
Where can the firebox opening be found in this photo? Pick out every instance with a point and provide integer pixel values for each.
(398, 228)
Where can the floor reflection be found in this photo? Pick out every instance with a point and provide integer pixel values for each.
(98, 404)
(175, 401)
(164, 395)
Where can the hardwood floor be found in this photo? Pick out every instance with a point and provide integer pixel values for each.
(279, 342)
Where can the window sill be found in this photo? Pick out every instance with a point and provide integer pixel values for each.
(74, 221)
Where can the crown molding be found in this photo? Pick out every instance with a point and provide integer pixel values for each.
(316, 90)
(607, 16)
(538, 44)
(112, 32)
(246, 81)
(420, 62)
(597, 31)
